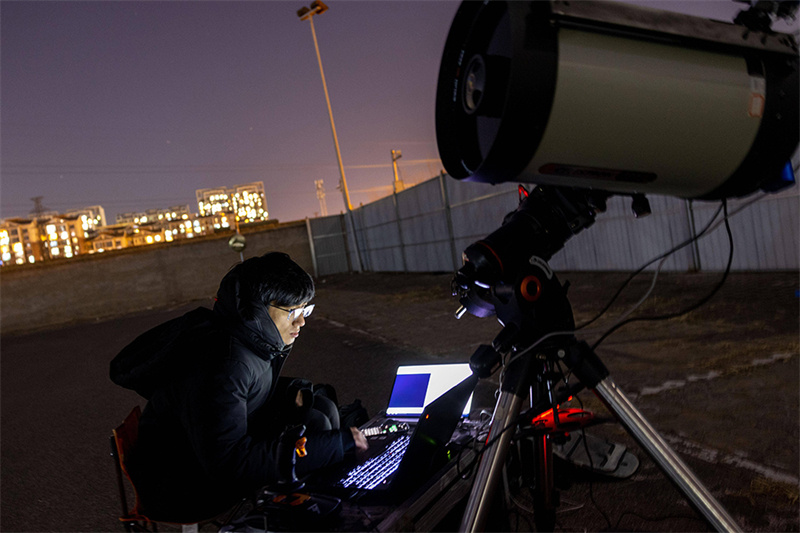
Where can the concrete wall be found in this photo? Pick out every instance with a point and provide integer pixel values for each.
(125, 281)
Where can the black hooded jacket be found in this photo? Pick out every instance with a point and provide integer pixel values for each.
(209, 433)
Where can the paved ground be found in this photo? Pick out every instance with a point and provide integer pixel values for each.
(720, 384)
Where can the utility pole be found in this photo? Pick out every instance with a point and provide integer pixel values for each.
(398, 183)
(323, 206)
(38, 208)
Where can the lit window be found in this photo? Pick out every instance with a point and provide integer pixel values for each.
(158, 238)
(190, 235)
(168, 238)
(64, 236)
(143, 219)
(17, 247)
(6, 256)
(149, 239)
(55, 251)
(50, 228)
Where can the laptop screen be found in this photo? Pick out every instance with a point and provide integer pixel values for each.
(415, 386)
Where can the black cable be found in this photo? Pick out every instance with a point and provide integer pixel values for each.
(591, 470)
(692, 307)
(641, 268)
(488, 445)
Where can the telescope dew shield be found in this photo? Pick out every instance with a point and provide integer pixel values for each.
(552, 93)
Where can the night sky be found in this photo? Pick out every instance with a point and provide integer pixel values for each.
(135, 105)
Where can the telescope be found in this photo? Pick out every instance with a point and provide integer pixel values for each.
(615, 97)
(585, 100)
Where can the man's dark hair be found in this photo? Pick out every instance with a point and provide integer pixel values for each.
(273, 277)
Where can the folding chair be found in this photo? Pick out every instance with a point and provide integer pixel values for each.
(123, 440)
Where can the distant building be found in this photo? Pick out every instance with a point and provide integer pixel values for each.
(110, 238)
(92, 217)
(121, 236)
(29, 240)
(19, 241)
(209, 224)
(246, 202)
(178, 212)
(48, 235)
(184, 229)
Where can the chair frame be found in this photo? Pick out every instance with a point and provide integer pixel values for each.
(123, 439)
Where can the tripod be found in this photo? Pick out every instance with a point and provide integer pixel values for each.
(529, 373)
(507, 275)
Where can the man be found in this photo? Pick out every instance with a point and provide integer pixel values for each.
(209, 433)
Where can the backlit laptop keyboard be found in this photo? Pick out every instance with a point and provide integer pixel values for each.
(374, 471)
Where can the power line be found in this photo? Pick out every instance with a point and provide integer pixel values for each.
(158, 169)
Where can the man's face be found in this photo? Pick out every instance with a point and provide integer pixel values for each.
(288, 328)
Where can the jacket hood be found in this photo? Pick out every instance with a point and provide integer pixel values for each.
(258, 332)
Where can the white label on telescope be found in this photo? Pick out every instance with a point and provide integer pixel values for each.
(758, 91)
(542, 264)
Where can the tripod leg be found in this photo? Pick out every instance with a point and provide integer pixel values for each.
(657, 448)
(491, 467)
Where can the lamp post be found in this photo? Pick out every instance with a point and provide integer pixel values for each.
(307, 13)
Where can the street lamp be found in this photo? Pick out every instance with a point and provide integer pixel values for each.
(307, 13)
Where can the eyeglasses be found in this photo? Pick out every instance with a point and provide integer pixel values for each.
(294, 314)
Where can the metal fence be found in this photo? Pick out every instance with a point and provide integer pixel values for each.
(424, 229)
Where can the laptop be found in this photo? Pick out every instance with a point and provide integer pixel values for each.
(399, 462)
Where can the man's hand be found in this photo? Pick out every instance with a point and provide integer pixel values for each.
(361, 441)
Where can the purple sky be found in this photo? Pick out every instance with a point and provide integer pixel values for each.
(135, 105)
